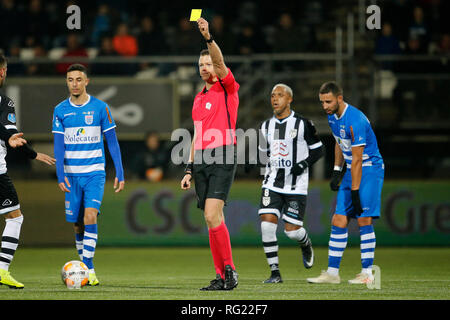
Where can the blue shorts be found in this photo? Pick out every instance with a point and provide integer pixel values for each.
(85, 192)
(369, 193)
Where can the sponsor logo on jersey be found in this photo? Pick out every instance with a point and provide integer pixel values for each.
(280, 163)
(280, 148)
(80, 136)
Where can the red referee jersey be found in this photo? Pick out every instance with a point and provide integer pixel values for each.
(215, 113)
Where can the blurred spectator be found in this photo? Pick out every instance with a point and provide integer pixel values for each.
(15, 68)
(436, 21)
(101, 25)
(151, 40)
(223, 38)
(289, 37)
(250, 41)
(415, 87)
(40, 69)
(418, 29)
(398, 12)
(152, 162)
(124, 43)
(442, 94)
(187, 39)
(10, 24)
(107, 68)
(74, 49)
(444, 44)
(36, 22)
(387, 43)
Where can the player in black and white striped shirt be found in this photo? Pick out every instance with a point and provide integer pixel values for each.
(291, 145)
(9, 201)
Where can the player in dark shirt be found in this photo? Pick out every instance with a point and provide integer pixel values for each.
(9, 201)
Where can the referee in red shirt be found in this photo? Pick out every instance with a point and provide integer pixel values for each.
(212, 161)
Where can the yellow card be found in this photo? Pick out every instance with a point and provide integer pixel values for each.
(195, 14)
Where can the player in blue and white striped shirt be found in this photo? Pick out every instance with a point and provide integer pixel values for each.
(359, 195)
(79, 124)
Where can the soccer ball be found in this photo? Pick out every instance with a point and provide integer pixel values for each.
(74, 274)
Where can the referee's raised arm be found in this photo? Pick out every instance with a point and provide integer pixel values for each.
(219, 66)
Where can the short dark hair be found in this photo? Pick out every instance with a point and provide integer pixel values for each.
(77, 67)
(204, 52)
(332, 87)
(3, 60)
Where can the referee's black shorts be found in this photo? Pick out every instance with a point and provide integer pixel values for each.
(9, 201)
(214, 180)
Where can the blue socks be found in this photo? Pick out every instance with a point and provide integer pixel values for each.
(336, 247)
(89, 244)
(79, 244)
(368, 242)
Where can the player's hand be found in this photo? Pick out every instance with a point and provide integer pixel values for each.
(186, 182)
(64, 185)
(336, 179)
(45, 158)
(356, 202)
(16, 140)
(118, 186)
(298, 168)
(203, 26)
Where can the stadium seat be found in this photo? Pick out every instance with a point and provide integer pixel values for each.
(56, 53)
(92, 52)
(26, 53)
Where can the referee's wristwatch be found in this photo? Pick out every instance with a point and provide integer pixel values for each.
(211, 39)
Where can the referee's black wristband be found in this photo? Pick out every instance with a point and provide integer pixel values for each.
(189, 168)
(211, 39)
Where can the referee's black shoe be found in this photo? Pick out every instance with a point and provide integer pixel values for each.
(231, 278)
(216, 284)
(308, 254)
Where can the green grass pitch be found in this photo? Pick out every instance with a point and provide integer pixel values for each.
(178, 273)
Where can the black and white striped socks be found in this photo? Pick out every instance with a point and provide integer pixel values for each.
(270, 243)
(10, 241)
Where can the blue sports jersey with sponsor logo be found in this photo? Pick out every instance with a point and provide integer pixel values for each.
(353, 129)
(83, 127)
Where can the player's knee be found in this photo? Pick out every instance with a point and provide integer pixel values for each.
(339, 220)
(213, 219)
(268, 217)
(268, 231)
(78, 227)
(14, 214)
(295, 234)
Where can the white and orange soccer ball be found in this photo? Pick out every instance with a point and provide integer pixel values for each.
(75, 274)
